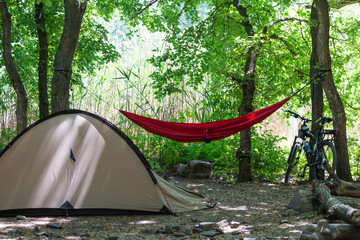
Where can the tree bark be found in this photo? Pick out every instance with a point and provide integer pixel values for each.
(333, 208)
(22, 98)
(341, 187)
(333, 231)
(74, 12)
(317, 98)
(317, 101)
(336, 105)
(247, 85)
(43, 60)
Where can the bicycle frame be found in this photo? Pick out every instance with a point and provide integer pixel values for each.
(314, 156)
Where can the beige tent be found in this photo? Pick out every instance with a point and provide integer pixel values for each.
(75, 162)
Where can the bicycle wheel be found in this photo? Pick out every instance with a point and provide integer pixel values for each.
(328, 155)
(291, 161)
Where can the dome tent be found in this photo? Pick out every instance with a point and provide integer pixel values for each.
(77, 163)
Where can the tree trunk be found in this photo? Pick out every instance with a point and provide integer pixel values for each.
(336, 105)
(317, 98)
(317, 102)
(74, 12)
(22, 98)
(43, 60)
(243, 154)
(247, 84)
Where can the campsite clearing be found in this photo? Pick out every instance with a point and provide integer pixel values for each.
(259, 207)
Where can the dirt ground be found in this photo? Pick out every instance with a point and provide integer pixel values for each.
(259, 207)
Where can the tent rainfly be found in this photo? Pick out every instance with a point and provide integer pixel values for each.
(77, 163)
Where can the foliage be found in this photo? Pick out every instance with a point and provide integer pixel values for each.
(93, 48)
(205, 43)
(268, 158)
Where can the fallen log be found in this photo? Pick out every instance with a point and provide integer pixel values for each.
(335, 231)
(332, 207)
(340, 187)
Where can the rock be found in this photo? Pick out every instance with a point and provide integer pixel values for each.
(211, 233)
(112, 238)
(20, 217)
(222, 223)
(54, 225)
(207, 225)
(246, 223)
(237, 232)
(302, 201)
(21, 238)
(161, 231)
(234, 224)
(197, 230)
(35, 229)
(55, 235)
(178, 234)
(42, 234)
(284, 221)
(196, 169)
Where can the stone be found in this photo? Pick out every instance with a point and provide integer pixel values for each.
(55, 235)
(20, 217)
(207, 225)
(222, 223)
(35, 229)
(196, 169)
(302, 201)
(41, 234)
(197, 230)
(112, 238)
(211, 233)
(54, 225)
(161, 231)
(234, 224)
(179, 234)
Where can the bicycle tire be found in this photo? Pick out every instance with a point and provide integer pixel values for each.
(291, 161)
(318, 171)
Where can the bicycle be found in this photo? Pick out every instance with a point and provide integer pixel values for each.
(323, 153)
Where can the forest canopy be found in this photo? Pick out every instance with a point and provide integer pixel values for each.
(184, 61)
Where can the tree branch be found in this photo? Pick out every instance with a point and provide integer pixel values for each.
(139, 12)
(342, 3)
(282, 20)
(243, 12)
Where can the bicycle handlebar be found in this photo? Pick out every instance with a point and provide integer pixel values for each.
(295, 115)
(324, 120)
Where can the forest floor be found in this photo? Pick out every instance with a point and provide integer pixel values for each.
(260, 208)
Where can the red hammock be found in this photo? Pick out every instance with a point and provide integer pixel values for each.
(199, 132)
